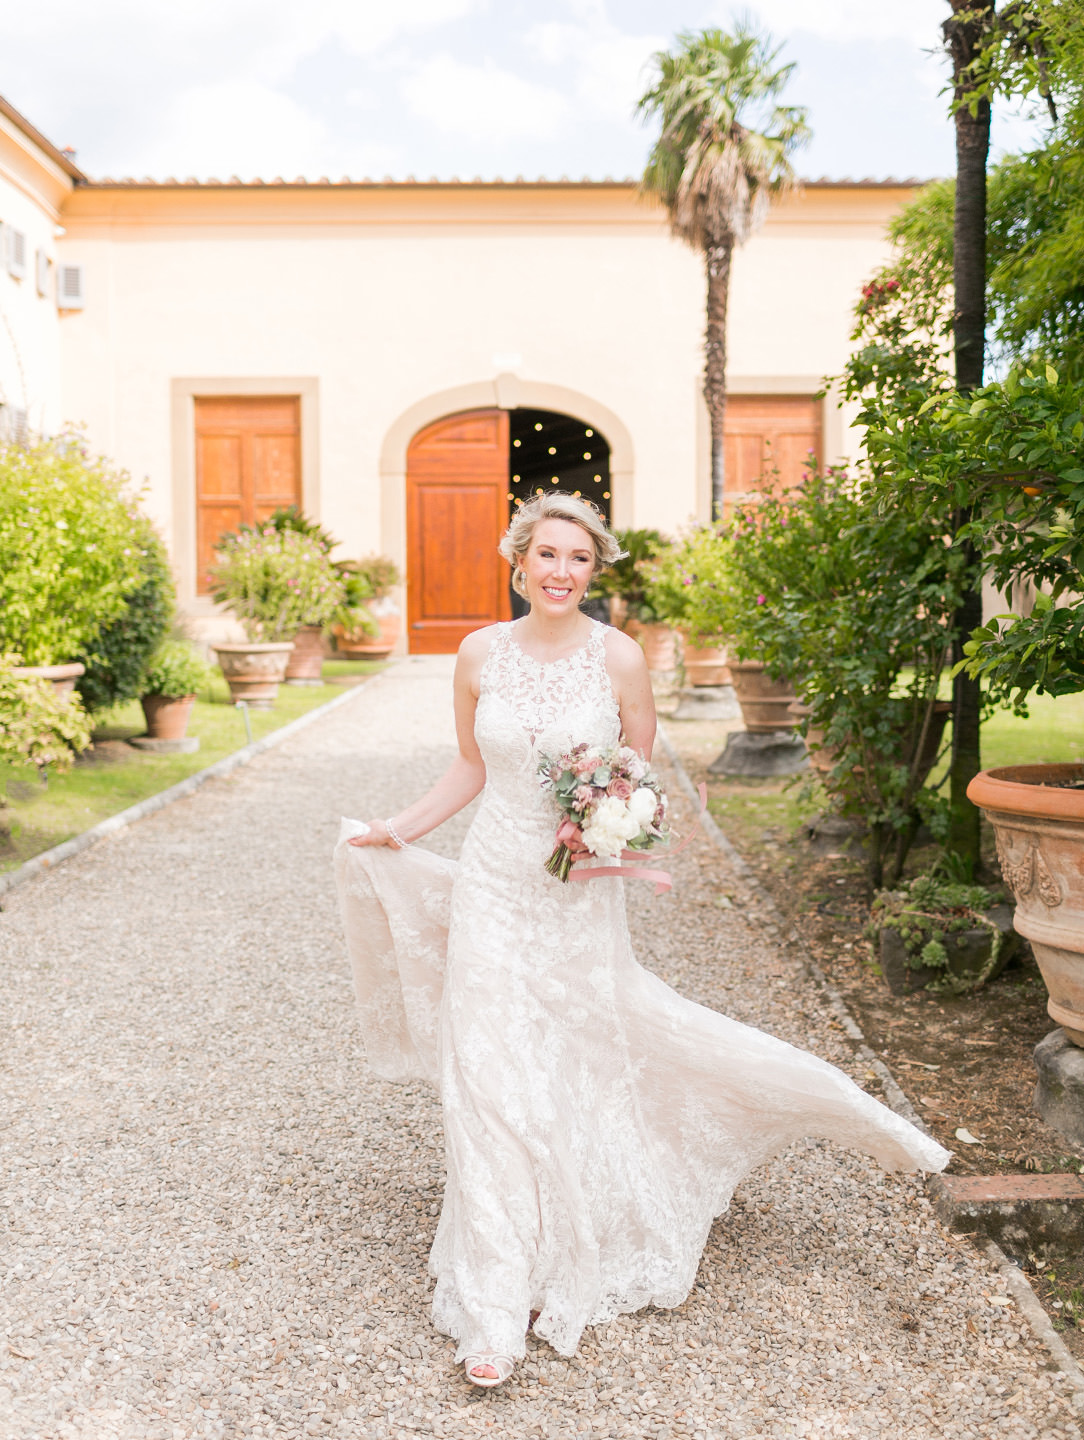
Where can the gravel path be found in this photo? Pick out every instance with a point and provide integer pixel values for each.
(215, 1221)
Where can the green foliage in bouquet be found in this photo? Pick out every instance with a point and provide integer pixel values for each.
(116, 657)
(71, 543)
(626, 578)
(176, 669)
(275, 581)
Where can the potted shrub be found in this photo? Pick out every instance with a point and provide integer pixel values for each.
(625, 586)
(171, 679)
(272, 580)
(371, 621)
(670, 579)
(38, 728)
(71, 553)
(306, 662)
(941, 935)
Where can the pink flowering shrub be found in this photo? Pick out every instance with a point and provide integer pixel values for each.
(275, 581)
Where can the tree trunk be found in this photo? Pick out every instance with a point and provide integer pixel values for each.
(964, 33)
(717, 260)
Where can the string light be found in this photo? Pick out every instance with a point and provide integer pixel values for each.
(555, 480)
(588, 433)
(576, 492)
(538, 425)
(511, 496)
(553, 449)
(517, 442)
(517, 477)
(597, 479)
(605, 494)
(587, 454)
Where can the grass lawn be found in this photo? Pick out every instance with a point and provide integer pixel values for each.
(114, 775)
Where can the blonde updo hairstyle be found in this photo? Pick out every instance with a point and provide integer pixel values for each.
(556, 505)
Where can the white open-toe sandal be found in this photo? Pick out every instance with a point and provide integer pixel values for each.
(502, 1364)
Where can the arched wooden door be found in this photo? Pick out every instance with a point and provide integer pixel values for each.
(457, 511)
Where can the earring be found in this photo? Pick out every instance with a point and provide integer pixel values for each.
(521, 577)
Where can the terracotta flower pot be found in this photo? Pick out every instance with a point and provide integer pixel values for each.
(254, 672)
(167, 715)
(306, 663)
(658, 642)
(765, 704)
(1037, 812)
(356, 645)
(61, 677)
(705, 664)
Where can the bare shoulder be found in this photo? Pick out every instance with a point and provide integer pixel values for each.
(472, 653)
(624, 657)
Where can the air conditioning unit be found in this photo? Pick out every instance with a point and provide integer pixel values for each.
(69, 287)
(41, 271)
(15, 247)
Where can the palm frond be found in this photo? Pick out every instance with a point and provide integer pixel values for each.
(725, 140)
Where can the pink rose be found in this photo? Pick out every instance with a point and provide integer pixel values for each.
(619, 788)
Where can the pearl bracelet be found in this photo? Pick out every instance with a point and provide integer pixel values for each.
(400, 843)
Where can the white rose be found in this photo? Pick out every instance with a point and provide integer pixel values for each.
(642, 806)
(610, 828)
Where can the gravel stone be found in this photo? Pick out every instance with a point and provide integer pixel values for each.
(214, 1221)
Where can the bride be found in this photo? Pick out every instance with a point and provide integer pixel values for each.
(595, 1122)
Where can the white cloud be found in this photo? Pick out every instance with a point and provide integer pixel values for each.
(608, 69)
(916, 21)
(241, 128)
(483, 102)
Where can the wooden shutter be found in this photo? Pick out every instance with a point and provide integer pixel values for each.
(248, 463)
(457, 511)
(768, 441)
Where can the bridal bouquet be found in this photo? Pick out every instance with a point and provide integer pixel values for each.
(610, 795)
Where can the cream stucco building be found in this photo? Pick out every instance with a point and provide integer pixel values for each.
(234, 345)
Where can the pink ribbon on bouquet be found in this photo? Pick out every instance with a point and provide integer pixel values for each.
(659, 878)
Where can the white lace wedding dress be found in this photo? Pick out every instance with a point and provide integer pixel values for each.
(595, 1121)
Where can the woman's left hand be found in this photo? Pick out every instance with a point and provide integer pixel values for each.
(377, 835)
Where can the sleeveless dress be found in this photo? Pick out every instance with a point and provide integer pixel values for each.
(595, 1121)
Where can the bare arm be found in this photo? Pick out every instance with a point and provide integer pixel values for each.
(464, 777)
(627, 669)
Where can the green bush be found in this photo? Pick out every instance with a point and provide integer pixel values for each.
(116, 658)
(175, 669)
(69, 549)
(37, 727)
(275, 581)
(850, 603)
(683, 583)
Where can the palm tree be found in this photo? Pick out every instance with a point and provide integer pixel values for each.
(723, 150)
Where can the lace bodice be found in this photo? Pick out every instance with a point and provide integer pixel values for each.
(528, 708)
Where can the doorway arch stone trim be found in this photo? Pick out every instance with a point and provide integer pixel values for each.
(503, 392)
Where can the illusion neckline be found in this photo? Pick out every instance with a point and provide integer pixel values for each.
(596, 626)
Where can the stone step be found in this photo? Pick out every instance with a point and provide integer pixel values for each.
(1025, 1214)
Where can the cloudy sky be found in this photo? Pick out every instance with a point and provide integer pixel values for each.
(450, 87)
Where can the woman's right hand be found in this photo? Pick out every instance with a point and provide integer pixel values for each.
(377, 834)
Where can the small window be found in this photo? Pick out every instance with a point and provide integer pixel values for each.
(16, 251)
(69, 287)
(41, 271)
